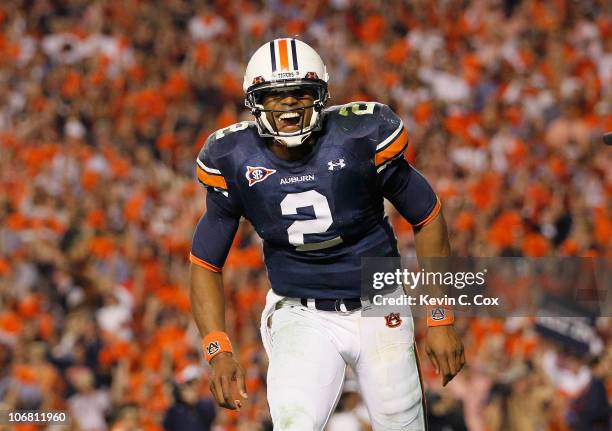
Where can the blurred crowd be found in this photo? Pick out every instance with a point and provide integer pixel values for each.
(105, 104)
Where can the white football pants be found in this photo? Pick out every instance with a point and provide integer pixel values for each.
(309, 351)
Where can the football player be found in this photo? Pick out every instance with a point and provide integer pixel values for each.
(312, 181)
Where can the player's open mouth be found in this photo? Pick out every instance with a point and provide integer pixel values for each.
(289, 121)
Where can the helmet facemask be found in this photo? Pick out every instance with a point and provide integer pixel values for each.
(254, 101)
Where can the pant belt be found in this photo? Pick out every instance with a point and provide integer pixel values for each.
(344, 305)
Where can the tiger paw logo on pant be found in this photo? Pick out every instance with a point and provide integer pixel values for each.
(393, 320)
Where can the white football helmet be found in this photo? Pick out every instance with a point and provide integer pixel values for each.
(283, 64)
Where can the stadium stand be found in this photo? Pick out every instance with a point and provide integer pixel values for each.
(105, 104)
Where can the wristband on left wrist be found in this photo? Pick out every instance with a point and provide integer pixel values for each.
(439, 316)
(214, 343)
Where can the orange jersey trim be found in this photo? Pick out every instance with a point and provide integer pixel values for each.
(432, 215)
(393, 149)
(197, 261)
(283, 54)
(210, 179)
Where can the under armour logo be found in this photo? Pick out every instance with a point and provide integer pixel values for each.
(333, 164)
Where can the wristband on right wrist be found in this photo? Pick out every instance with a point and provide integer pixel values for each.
(439, 316)
(214, 343)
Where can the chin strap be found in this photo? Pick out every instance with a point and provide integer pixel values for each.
(293, 141)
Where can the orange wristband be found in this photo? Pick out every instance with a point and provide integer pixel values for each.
(439, 316)
(214, 343)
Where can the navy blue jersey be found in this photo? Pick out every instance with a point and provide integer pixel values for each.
(317, 216)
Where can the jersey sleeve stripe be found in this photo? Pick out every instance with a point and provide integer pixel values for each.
(212, 180)
(393, 149)
(207, 169)
(432, 215)
(391, 137)
(197, 261)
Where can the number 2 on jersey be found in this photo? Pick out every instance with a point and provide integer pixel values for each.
(320, 223)
(231, 129)
(359, 108)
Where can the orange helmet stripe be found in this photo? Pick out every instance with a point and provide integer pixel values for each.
(283, 54)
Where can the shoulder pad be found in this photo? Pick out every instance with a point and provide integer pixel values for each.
(210, 161)
(363, 117)
(354, 113)
(223, 140)
(376, 123)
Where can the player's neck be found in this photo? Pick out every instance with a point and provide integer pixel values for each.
(290, 154)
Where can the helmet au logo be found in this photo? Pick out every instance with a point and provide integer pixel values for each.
(257, 174)
(393, 320)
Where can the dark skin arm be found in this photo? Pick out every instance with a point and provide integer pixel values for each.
(208, 307)
(444, 346)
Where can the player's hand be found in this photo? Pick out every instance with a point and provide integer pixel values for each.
(227, 375)
(445, 350)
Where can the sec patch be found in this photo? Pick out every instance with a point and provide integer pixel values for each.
(256, 174)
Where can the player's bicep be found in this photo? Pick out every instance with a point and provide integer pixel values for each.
(431, 239)
(410, 193)
(214, 232)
